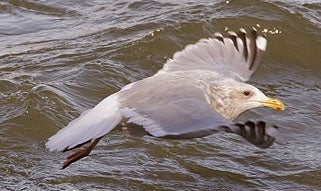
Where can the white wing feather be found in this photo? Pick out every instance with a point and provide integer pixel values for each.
(236, 56)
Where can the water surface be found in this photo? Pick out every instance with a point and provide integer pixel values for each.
(59, 58)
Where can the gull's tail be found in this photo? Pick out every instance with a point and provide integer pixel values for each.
(91, 124)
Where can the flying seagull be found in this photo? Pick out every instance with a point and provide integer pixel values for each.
(198, 92)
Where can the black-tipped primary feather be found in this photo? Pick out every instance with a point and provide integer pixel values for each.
(232, 35)
(253, 46)
(236, 55)
(256, 133)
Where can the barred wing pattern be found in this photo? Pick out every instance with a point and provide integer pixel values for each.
(236, 55)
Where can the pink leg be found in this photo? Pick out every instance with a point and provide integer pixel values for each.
(81, 153)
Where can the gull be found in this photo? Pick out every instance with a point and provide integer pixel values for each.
(200, 91)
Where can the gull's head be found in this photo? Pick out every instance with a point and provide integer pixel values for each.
(234, 98)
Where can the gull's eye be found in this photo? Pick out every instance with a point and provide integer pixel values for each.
(247, 93)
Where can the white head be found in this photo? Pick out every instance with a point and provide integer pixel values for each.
(233, 98)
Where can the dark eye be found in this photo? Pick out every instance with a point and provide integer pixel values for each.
(247, 93)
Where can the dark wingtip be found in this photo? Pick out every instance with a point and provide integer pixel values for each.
(256, 133)
(219, 37)
(250, 123)
(253, 46)
(254, 32)
(242, 35)
(248, 39)
(233, 36)
(261, 123)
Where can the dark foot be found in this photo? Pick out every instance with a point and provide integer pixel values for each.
(81, 153)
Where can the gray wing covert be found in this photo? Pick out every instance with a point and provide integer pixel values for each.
(175, 111)
(177, 119)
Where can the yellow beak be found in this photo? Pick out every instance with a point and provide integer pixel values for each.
(273, 103)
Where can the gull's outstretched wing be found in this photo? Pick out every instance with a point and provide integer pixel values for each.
(236, 55)
(162, 122)
(170, 105)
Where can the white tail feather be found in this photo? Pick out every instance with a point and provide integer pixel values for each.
(89, 125)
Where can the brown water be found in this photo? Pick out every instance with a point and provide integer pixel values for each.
(58, 58)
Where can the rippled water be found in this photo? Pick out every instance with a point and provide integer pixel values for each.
(58, 58)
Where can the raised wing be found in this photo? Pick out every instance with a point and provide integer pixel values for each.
(236, 55)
